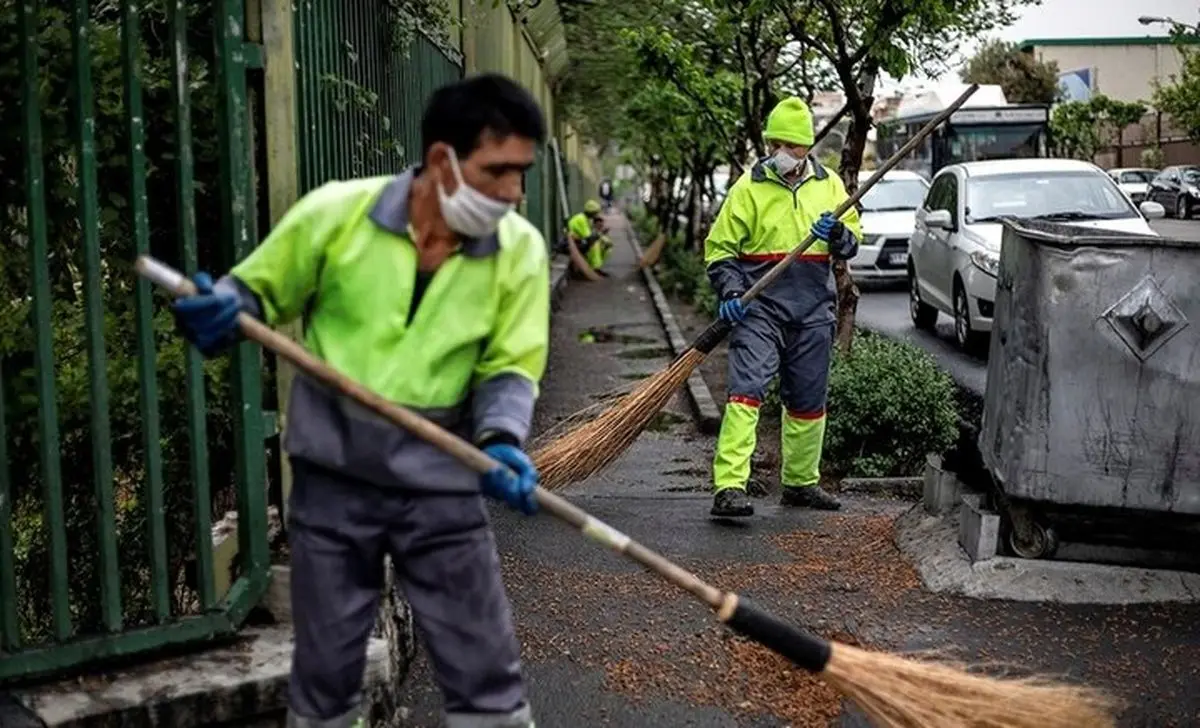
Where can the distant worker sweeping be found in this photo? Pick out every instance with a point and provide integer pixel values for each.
(587, 230)
(789, 329)
(429, 289)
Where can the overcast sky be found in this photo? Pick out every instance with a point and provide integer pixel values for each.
(1094, 18)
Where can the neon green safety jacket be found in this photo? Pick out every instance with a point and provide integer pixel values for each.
(465, 347)
(591, 244)
(762, 220)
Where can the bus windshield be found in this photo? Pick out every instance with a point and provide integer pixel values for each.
(894, 194)
(1008, 141)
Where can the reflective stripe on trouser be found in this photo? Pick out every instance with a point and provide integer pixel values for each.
(759, 348)
(520, 718)
(350, 719)
(447, 565)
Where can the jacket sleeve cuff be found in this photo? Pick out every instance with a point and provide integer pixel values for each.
(503, 407)
(847, 245)
(246, 297)
(726, 278)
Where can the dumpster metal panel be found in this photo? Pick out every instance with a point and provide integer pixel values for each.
(1093, 387)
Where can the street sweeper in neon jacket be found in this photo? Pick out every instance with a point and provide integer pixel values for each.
(789, 328)
(586, 229)
(429, 289)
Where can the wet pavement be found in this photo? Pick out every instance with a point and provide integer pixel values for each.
(607, 644)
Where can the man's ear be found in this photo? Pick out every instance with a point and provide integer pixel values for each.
(437, 160)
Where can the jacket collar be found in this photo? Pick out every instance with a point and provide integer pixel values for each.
(760, 172)
(390, 212)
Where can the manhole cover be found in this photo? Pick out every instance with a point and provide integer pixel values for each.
(1145, 318)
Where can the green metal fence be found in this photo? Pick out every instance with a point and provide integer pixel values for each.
(362, 88)
(116, 440)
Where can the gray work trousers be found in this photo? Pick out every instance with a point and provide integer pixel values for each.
(446, 563)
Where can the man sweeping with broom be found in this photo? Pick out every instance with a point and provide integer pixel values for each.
(789, 329)
(587, 230)
(430, 290)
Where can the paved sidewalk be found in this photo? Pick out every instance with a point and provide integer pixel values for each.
(608, 645)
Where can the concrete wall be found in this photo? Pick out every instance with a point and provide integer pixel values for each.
(1126, 69)
(1123, 72)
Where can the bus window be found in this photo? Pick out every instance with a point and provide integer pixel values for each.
(1016, 141)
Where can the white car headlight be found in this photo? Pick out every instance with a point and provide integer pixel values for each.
(1193, 190)
(987, 262)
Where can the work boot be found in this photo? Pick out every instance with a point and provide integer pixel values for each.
(809, 496)
(731, 503)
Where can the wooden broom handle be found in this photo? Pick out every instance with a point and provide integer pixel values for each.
(862, 189)
(466, 453)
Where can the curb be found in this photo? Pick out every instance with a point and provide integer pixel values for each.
(903, 488)
(559, 269)
(708, 414)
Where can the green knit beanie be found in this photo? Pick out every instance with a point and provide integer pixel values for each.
(790, 122)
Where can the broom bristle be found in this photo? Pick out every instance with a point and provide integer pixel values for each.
(588, 448)
(901, 692)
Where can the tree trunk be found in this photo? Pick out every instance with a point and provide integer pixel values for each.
(692, 212)
(851, 162)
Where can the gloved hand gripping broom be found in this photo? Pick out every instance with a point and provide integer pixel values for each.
(583, 451)
(894, 691)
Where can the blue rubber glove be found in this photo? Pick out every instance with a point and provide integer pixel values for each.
(732, 310)
(828, 228)
(209, 318)
(513, 484)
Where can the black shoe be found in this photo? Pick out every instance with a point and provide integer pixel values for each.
(809, 496)
(731, 503)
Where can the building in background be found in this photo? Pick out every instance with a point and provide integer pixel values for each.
(1124, 69)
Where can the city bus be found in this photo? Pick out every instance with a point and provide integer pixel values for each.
(1012, 131)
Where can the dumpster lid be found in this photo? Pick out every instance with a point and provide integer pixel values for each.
(1070, 236)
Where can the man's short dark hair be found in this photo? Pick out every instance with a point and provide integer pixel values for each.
(459, 113)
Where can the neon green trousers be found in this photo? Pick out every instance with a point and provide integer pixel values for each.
(758, 349)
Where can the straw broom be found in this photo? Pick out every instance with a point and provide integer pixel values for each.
(894, 691)
(592, 446)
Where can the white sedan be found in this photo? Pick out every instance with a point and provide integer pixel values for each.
(955, 251)
(1134, 181)
(888, 212)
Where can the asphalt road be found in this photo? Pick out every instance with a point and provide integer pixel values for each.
(886, 311)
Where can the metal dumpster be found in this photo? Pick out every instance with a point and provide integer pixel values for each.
(1093, 386)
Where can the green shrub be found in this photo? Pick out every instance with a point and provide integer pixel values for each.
(889, 406)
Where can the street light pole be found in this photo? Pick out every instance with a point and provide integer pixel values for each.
(1176, 26)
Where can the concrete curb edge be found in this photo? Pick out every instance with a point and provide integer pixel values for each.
(559, 275)
(707, 413)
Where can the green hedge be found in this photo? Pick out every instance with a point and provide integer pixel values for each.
(889, 406)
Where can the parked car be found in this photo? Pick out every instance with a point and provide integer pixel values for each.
(1177, 188)
(888, 210)
(1133, 181)
(955, 253)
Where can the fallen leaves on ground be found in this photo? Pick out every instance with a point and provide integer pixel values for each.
(652, 643)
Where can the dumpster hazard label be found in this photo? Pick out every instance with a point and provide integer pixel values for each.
(1145, 318)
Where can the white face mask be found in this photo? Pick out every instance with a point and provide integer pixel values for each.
(784, 162)
(468, 211)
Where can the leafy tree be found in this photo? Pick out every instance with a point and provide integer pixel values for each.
(1180, 98)
(730, 61)
(858, 40)
(1024, 79)
(1082, 128)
